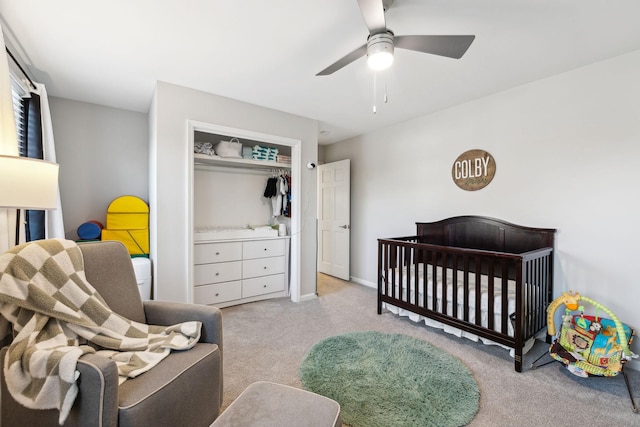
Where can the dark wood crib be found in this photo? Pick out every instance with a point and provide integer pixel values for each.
(452, 269)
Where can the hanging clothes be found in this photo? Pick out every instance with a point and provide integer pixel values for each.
(284, 189)
(286, 210)
(278, 199)
(278, 189)
(271, 188)
(271, 191)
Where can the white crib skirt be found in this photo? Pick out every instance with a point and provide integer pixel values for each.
(458, 332)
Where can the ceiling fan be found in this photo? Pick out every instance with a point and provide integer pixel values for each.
(381, 41)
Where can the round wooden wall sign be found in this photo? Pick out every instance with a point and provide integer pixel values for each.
(473, 170)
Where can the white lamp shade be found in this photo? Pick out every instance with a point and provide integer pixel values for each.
(27, 183)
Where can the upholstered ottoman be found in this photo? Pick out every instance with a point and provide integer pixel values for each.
(266, 404)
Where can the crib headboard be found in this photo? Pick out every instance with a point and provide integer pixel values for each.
(478, 232)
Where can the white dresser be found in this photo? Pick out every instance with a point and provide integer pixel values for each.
(238, 271)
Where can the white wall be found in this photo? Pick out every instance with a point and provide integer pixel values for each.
(103, 154)
(566, 150)
(230, 197)
(171, 108)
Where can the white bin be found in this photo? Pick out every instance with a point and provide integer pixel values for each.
(142, 268)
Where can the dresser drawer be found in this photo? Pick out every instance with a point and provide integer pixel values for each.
(262, 285)
(263, 267)
(215, 273)
(263, 248)
(205, 253)
(217, 293)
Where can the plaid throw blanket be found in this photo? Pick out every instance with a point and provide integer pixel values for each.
(57, 316)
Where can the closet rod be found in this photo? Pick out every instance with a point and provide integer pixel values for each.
(15, 61)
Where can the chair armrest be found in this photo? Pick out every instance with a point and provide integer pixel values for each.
(98, 390)
(165, 313)
(97, 397)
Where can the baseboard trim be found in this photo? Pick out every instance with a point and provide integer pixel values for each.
(364, 282)
(308, 297)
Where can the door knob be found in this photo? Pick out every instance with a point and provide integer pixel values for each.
(346, 226)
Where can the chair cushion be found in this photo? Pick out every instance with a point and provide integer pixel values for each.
(173, 393)
(109, 269)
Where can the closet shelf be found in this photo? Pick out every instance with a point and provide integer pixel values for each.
(203, 159)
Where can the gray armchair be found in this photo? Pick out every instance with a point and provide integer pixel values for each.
(185, 389)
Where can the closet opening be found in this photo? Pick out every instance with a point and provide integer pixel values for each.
(244, 242)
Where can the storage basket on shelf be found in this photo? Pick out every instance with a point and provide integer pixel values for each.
(128, 222)
(232, 148)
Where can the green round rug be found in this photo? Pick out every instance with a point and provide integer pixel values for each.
(391, 380)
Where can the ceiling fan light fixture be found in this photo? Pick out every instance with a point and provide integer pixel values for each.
(380, 51)
(382, 42)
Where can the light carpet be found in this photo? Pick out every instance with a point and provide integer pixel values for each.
(267, 340)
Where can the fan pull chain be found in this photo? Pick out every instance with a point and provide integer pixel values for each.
(386, 98)
(375, 91)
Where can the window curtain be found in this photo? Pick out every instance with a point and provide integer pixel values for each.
(8, 144)
(53, 220)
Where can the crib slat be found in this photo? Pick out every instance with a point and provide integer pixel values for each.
(425, 270)
(454, 290)
(465, 288)
(518, 329)
(402, 265)
(444, 300)
(535, 297)
(434, 282)
(477, 265)
(394, 268)
(545, 292)
(490, 295)
(504, 309)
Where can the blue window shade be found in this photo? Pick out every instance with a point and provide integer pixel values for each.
(28, 120)
(35, 219)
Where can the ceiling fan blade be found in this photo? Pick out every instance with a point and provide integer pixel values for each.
(373, 14)
(449, 46)
(344, 61)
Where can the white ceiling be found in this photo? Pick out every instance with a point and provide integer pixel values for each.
(268, 52)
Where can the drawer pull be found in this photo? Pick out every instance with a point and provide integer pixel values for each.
(265, 267)
(217, 294)
(217, 253)
(217, 274)
(264, 286)
(266, 249)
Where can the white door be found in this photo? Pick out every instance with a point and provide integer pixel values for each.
(334, 225)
